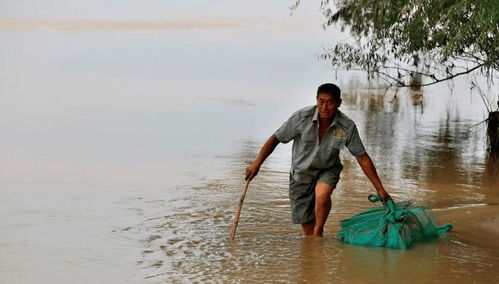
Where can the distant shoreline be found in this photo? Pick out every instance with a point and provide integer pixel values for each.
(31, 24)
(87, 24)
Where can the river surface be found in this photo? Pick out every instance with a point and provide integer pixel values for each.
(123, 148)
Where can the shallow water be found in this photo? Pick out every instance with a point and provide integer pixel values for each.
(421, 159)
(123, 155)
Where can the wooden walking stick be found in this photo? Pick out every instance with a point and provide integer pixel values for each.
(236, 218)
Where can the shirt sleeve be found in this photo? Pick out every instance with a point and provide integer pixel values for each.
(288, 130)
(354, 143)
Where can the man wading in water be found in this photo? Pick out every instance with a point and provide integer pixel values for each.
(318, 133)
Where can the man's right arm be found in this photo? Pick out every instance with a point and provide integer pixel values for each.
(267, 149)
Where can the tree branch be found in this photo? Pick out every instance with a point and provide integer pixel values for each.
(436, 80)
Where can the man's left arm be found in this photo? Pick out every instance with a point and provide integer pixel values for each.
(367, 166)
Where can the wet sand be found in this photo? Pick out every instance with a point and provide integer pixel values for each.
(474, 225)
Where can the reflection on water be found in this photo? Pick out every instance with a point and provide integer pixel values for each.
(432, 150)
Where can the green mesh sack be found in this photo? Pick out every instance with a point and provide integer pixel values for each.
(394, 225)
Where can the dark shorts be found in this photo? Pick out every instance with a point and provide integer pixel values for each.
(302, 194)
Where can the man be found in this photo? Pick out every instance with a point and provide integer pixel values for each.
(318, 133)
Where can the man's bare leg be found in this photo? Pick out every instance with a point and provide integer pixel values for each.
(323, 193)
(308, 228)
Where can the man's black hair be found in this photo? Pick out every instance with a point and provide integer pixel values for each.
(330, 89)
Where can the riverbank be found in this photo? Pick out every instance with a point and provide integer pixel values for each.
(475, 225)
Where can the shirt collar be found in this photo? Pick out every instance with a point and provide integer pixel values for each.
(315, 117)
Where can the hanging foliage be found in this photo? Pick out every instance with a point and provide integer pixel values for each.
(399, 39)
(419, 43)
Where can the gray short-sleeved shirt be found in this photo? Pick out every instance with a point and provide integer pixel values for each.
(309, 157)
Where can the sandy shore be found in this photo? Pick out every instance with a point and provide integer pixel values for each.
(476, 225)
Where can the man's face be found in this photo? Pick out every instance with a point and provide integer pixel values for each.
(327, 106)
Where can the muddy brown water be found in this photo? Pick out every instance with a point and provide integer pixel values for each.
(123, 156)
(431, 158)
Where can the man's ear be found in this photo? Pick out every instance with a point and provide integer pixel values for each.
(339, 103)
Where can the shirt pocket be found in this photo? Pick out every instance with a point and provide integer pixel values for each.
(307, 147)
(309, 135)
(337, 144)
(309, 140)
(338, 138)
